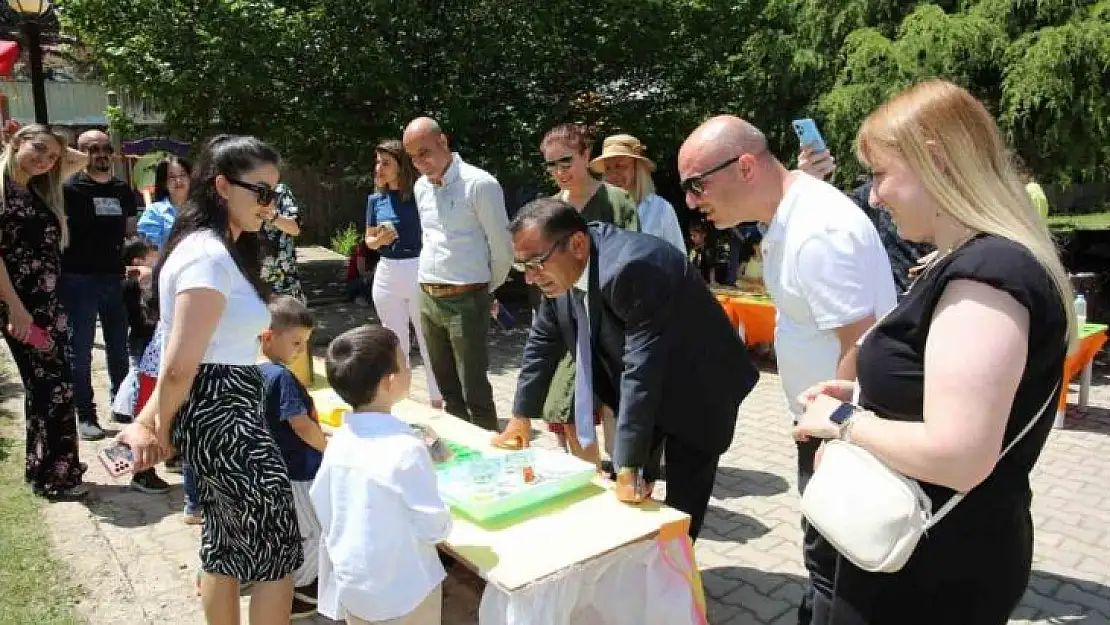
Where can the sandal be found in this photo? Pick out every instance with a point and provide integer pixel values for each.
(515, 437)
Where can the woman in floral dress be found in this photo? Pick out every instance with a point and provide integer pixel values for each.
(279, 268)
(33, 233)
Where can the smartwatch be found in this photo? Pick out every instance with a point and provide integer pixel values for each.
(842, 417)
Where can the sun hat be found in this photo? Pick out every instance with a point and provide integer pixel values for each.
(622, 145)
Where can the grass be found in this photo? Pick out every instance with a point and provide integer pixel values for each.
(33, 582)
(1091, 221)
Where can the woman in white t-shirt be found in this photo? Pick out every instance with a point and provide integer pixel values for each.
(208, 401)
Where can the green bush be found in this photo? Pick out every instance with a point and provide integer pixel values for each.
(343, 242)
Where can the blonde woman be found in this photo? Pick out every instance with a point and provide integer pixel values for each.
(33, 233)
(970, 356)
(624, 164)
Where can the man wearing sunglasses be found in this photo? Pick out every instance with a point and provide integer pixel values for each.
(824, 266)
(649, 341)
(101, 210)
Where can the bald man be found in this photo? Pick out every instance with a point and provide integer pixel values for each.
(824, 266)
(466, 254)
(101, 211)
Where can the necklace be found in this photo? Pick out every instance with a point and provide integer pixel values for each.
(940, 256)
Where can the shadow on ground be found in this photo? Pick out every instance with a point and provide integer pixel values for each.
(119, 505)
(734, 594)
(1087, 419)
(732, 483)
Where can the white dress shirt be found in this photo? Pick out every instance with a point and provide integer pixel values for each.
(381, 516)
(657, 217)
(465, 228)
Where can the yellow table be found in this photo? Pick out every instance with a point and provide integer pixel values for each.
(586, 540)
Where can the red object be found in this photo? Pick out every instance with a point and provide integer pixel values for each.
(558, 428)
(9, 54)
(146, 389)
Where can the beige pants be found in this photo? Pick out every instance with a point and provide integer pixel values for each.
(427, 613)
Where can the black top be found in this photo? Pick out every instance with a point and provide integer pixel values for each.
(139, 319)
(97, 214)
(891, 376)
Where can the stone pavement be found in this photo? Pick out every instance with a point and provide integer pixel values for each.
(133, 559)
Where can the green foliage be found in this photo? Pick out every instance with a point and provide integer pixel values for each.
(344, 241)
(324, 80)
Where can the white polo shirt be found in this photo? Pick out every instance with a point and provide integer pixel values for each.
(825, 267)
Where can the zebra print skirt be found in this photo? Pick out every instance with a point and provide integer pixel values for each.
(250, 525)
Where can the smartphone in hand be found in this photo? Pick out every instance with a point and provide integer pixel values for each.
(117, 459)
(39, 338)
(808, 135)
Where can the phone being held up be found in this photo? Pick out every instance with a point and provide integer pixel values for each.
(808, 135)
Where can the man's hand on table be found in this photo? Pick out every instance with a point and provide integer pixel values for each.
(631, 487)
(517, 434)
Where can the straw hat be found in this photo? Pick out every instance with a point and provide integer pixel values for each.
(622, 145)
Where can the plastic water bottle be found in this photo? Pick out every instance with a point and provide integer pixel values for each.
(1081, 310)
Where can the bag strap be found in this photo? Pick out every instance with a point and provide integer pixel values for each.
(955, 499)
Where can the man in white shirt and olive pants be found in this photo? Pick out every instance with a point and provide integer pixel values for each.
(824, 266)
(466, 255)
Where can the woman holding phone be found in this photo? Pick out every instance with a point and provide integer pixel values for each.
(33, 233)
(209, 398)
(393, 231)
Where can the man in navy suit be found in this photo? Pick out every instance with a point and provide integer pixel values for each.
(650, 342)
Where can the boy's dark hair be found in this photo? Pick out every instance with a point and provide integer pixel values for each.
(135, 248)
(289, 312)
(358, 360)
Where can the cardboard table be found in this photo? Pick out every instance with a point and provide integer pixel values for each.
(583, 558)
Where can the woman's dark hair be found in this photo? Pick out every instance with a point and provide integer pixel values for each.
(406, 171)
(574, 135)
(162, 175)
(230, 156)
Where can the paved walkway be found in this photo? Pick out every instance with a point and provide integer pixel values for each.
(133, 558)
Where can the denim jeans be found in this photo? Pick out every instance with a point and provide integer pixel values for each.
(189, 484)
(85, 298)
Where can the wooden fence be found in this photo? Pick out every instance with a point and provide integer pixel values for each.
(327, 204)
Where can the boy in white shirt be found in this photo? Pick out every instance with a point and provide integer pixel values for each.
(376, 495)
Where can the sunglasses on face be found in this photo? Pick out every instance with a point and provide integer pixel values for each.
(536, 264)
(93, 150)
(696, 184)
(264, 194)
(563, 162)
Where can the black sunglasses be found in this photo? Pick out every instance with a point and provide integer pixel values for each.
(536, 264)
(263, 193)
(696, 184)
(100, 149)
(562, 162)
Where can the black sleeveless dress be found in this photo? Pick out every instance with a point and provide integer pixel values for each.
(973, 567)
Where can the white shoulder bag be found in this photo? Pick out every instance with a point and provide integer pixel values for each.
(873, 515)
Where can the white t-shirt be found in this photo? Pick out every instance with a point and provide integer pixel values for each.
(201, 261)
(825, 267)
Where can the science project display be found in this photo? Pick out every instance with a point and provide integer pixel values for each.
(491, 485)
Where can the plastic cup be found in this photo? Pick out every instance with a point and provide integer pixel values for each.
(483, 478)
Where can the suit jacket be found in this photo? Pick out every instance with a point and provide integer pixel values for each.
(665, 356)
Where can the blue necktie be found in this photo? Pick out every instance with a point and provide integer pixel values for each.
(583, 374)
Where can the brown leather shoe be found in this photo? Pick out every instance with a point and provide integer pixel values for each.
(517, 435)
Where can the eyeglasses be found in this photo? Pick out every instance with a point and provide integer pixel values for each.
(264, 194)
(536, 264)
(561, 163)
(696, 184)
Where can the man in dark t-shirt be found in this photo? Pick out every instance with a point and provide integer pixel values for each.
(100, 210)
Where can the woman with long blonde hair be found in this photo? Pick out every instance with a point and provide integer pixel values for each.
(971, 356)
(33, 233)
(625, 164)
